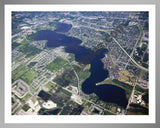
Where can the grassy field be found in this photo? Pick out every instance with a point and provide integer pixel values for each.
(108, 113)
(25, 107)
(26, 48)
(137, 110)
(84, 74)
(56, 64)
(19, 71)
(137, 88)
(22, 72)
(23, 43)
(29, 50)
(66, 92)
(29, 76)
(66, 66)
(50, 85)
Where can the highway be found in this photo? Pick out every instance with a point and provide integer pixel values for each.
(130, 56)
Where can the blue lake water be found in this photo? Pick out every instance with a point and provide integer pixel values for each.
(105, 92)
(63, 28)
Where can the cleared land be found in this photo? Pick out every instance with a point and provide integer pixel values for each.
(126, 77)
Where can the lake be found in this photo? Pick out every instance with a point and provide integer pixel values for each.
(105, 92)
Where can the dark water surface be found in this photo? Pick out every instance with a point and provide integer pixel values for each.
(105, 92)
(63, 28)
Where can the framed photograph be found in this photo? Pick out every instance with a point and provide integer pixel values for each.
(80, 64)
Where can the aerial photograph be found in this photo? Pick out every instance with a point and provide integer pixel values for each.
(80, 63)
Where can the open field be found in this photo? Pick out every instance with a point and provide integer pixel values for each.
(56, 64)
(25, 107)
(18, 72)
(108, 113)
(135, 109)
(126, 77)
(22, 72)
(50, 85)
(29, 76)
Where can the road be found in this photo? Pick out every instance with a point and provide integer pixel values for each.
(141, 67)
(79, 91)
(90, 101)
(135, 46)
(132, 94)
(130, 56)
(139, 40)
(75, 74)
